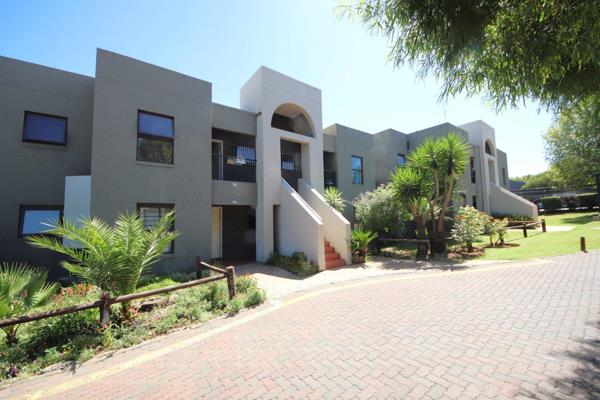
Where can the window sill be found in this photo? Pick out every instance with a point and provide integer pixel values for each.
(47, 146)
(154, 164)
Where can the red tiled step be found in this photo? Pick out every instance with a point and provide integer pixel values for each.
(335, 263)
(332, 256)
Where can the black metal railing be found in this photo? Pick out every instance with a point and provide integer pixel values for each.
(291, 168)
(330, 178)
(233, 168)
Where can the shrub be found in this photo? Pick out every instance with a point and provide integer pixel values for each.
(496, 230)
(334, 198)
(468, 226)
(587, 200)
(378, 211)
(235, 305)
(551, 203)
(513, 217)
(359, 244)
(296, 263)
(254, 296)
(22, 289)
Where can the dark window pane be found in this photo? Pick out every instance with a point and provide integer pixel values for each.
(356, 162)
(400, 160)
(150, 124)
(150, 216)
(155, 150)
(44, 128)
(36, 221)
(356, 177)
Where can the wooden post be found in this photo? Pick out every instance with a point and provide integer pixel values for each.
(230, 272)
(199, 268)
(104, 310)
(582, 244)
(524, 230)
(543, 224)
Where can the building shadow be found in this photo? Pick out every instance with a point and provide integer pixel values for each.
(583, 382)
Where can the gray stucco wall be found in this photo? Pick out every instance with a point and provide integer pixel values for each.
(233, 119)
(351, 142)
(388, 144)
(122, 87)
(502, 168)
(34, 174)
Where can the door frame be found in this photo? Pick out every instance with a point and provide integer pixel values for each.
(220, 233)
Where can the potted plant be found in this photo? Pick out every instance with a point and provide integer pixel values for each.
(359, 244)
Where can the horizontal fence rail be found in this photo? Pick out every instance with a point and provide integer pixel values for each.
(105, 301)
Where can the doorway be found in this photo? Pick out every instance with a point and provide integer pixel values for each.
(217, 159)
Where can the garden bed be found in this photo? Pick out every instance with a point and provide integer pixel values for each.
(75, 338)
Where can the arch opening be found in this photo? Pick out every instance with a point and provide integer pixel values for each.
(489, 149)
(289, 117)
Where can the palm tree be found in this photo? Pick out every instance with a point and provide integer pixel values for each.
(412, 189)
(444, 160)
(334, 198)
(22, 288)
(110, 257)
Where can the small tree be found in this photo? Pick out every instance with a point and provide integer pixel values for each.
(443, 160)
(359, 244)
(22, 288)
(334, 197)
(412, 188)
(110, 257)
(496, 230)
(469, 224)
(379, 211)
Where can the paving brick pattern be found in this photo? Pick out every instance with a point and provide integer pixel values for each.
(521, 331)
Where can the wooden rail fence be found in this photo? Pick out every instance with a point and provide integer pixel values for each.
(105, 301)
(525, 224)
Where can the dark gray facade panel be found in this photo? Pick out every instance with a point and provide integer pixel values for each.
(119, 182)
(34, 174)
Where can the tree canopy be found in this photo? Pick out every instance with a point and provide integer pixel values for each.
(510, 50)
(573, 142)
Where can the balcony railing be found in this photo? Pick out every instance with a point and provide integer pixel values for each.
(233, 168)
(330, 178)
(291, 168)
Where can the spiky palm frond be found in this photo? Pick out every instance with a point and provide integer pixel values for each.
(22, 288)
(110, 257)
(334, 197)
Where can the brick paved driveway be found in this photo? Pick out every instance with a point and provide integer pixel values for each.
(528, 330)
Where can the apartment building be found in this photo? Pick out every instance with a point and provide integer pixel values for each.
(245, 182)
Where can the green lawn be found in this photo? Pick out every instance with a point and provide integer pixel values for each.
(540, 244)
(537, 244)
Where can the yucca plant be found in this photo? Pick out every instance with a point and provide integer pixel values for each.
(334, 197)
(22, 289)
(110, 257)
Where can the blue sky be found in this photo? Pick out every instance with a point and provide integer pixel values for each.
(224, 42)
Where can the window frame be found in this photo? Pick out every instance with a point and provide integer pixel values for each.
(150, 136)
(362, 178)
(29, 207)
(48, 142)
(171, 206)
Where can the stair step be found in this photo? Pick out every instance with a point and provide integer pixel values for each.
(335, 263)
(327, 243)
(332, 256)
(329, 249)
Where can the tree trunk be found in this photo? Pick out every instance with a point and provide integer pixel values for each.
(470, 247)
(422, 248)
(439, 246)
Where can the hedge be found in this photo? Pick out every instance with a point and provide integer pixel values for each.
(587, 200)
(551, 203)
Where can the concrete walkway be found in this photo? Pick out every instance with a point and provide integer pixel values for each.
(278, 282)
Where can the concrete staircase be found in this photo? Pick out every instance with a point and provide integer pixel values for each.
(332, 258)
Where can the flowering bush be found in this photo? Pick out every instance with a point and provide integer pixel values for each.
(496, 230)
(469, 224)
(378, 211)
